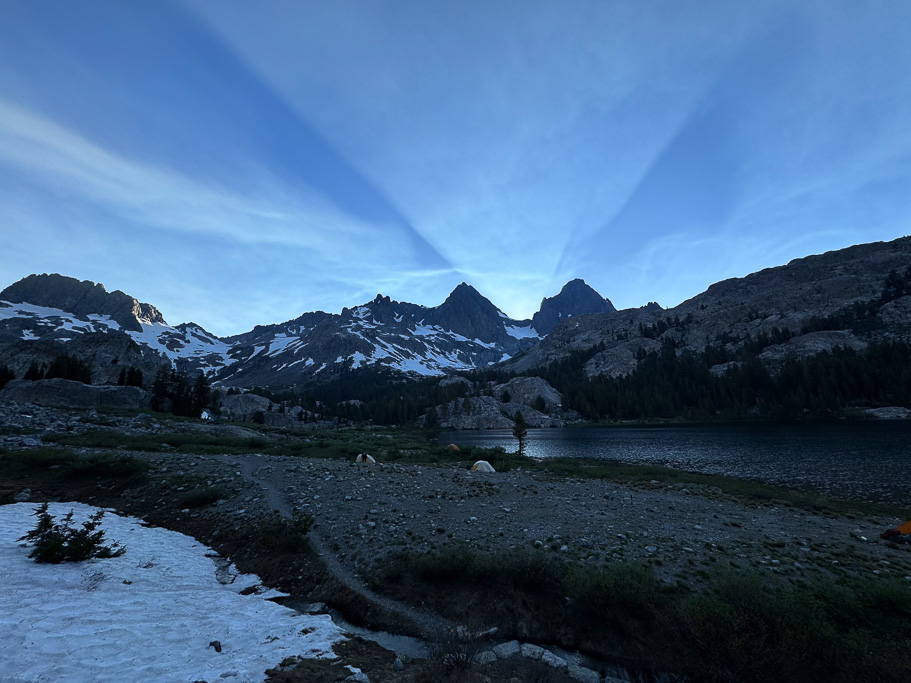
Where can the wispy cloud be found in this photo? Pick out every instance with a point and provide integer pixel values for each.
(131, 201)
(314, 154)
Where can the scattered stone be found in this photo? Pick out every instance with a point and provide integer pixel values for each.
(549, 658)
(507, 650)
(580, 673)
(217, 645)
(532, 651)
(398, 665)
(24, 496)
(484, 658)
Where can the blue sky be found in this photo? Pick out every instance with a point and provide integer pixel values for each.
(239, 163)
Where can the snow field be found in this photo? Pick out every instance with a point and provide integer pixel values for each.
(148, 615)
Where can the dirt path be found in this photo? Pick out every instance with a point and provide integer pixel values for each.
(430, 625)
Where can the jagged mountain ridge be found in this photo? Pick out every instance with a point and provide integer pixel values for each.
(466, 331)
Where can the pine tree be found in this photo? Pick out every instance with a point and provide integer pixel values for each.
(34, 372)
(200, 397)
(6, 375)
(71, 368)
(520, 431)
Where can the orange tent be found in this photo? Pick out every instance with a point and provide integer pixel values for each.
(900, 534)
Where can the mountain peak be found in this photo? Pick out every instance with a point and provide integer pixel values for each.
(81, 297)
(467, 312)
(464, 289)
(576, 298)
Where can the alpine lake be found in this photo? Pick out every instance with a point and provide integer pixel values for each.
(861, 460)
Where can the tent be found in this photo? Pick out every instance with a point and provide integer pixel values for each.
(365, 459)
(482, 466)
(452, 448)
(900, 534)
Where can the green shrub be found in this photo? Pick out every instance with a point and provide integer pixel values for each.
(107, 466)
(34, 460)
(59, 542)
(285, 534)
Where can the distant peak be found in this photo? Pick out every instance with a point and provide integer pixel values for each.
(464, 291)
(576, 298)
(577, 285)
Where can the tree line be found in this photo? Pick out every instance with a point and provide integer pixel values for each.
(668, 384)
(174, 391)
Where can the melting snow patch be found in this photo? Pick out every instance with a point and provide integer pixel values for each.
(150, 614)
(521, 332)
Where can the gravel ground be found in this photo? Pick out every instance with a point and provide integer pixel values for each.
(366, 513)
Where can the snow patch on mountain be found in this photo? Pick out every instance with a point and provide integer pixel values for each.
(522, 332)
(49, 319)
(175, 344)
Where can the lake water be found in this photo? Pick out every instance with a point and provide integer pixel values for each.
(863, 460)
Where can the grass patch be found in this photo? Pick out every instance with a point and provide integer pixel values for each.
(742, 489)
(740, 628)
(65, 463)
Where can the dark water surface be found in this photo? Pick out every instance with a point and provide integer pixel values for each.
(863, 460)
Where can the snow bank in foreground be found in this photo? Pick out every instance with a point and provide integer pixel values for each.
(146, 616)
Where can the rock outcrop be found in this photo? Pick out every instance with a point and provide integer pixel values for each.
(63, 393)
(528, 390)
(492, 412)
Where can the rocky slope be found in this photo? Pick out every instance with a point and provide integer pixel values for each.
(44, 316)
(83, 298)
(840, 298)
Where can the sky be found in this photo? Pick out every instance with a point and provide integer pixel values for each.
(239, 163)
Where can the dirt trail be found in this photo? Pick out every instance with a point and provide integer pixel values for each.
(430, 625)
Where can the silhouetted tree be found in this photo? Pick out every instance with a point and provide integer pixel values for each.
(520, 431)
(6, 375)
(70, 367)
(34, 372)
